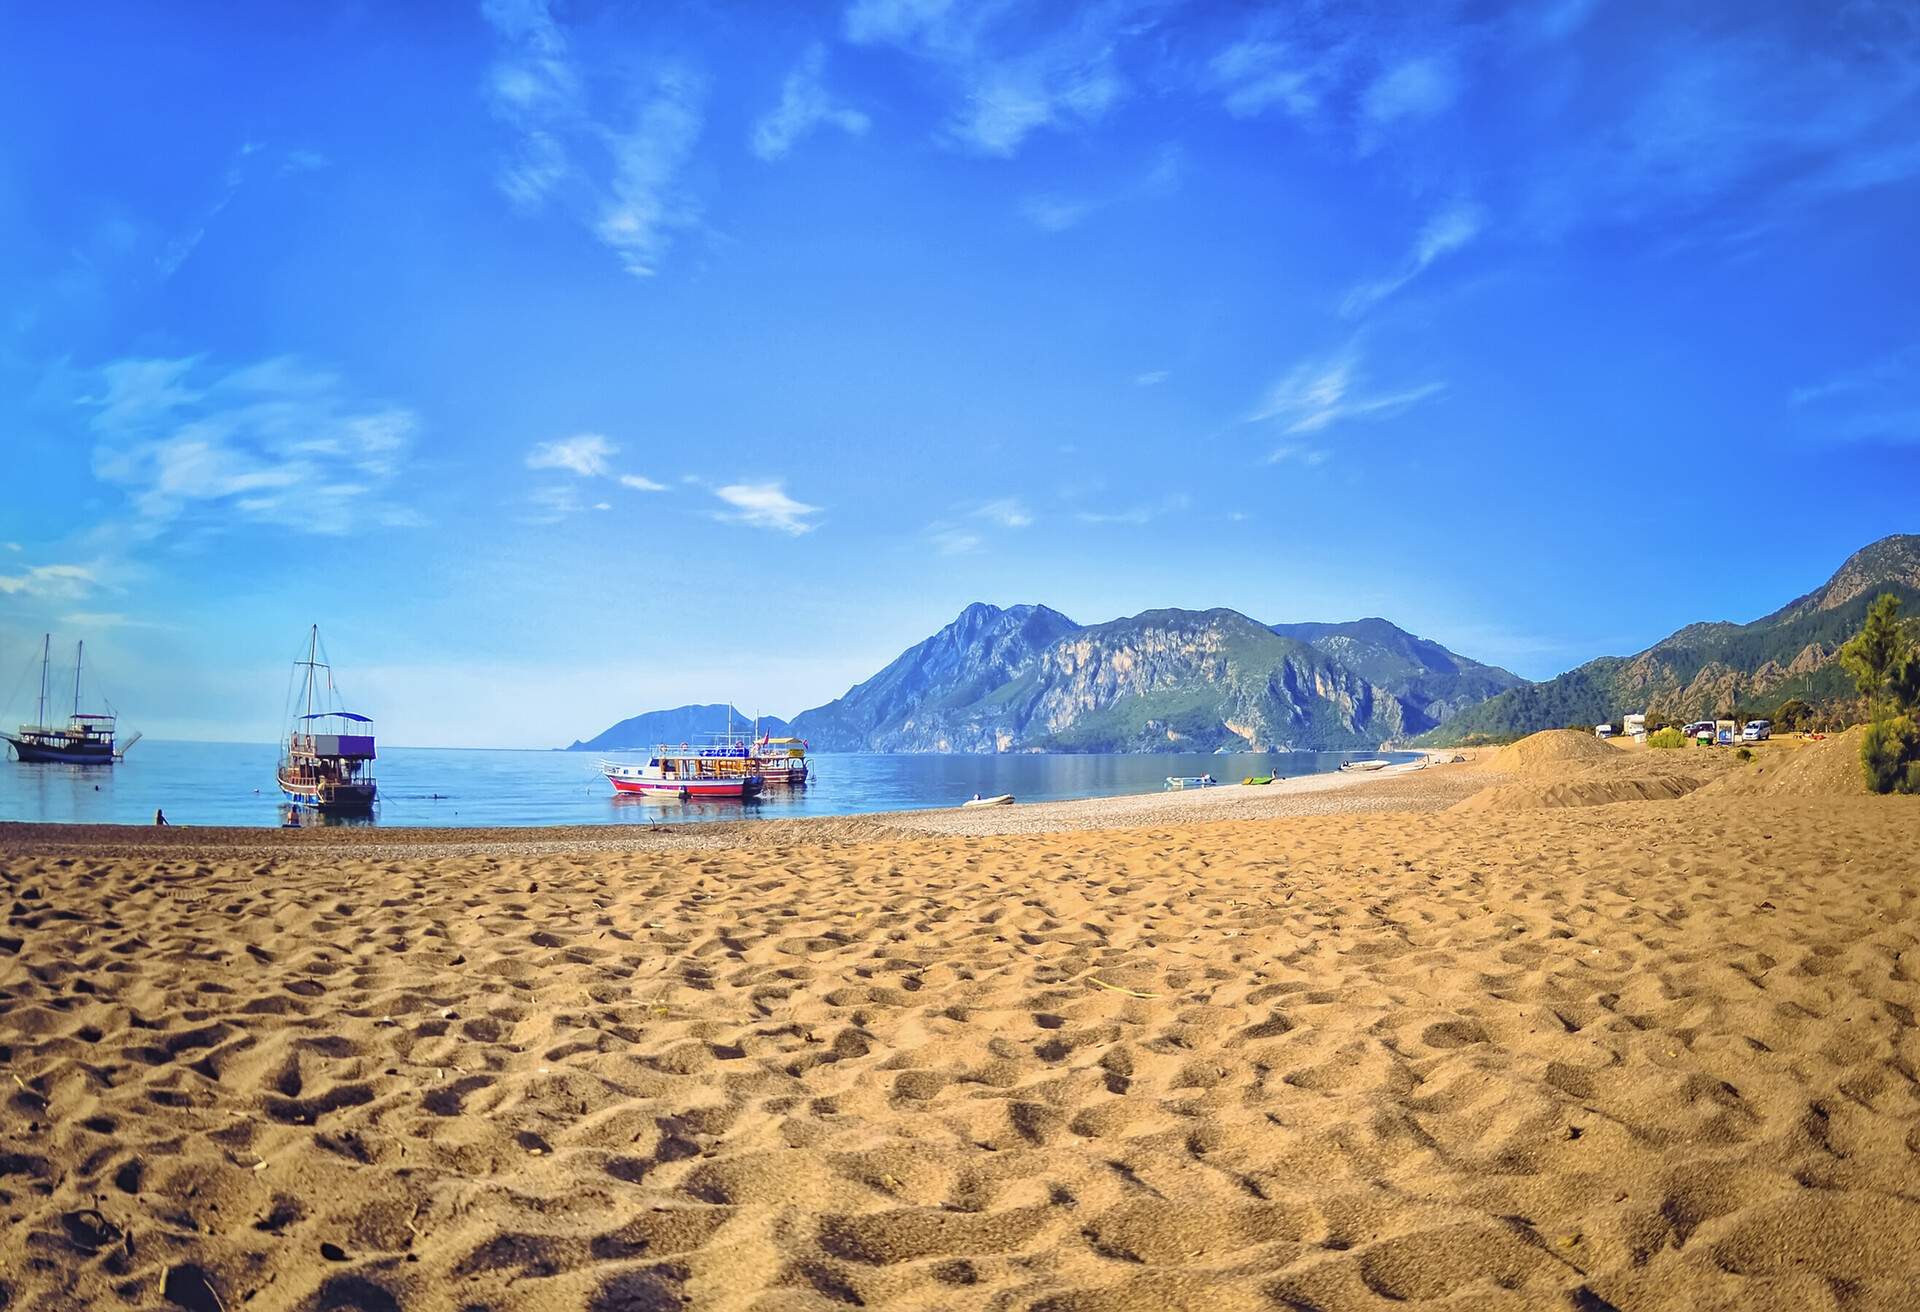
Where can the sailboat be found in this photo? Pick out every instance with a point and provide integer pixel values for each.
(330, 771)
(87, 739)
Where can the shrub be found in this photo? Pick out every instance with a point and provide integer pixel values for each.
(1793, 715)
(1890, 755)
(1744, 754)
(1668, 737)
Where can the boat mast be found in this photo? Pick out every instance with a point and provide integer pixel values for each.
(46, 660)
(79, 652)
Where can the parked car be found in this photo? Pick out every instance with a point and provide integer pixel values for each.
(1699, 727)
(1603, 731)
(1757, 730)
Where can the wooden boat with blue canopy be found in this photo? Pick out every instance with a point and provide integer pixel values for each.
(327, 762)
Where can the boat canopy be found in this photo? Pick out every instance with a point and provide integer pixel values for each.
(342, 715)
(785, 742)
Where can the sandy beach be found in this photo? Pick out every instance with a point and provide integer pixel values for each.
(1579, 1027)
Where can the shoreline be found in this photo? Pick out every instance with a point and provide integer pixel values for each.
(1223, 801)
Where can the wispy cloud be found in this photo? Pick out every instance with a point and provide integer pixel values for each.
(585, 454)
(1007, 512)
(949, 541)
(805, 105)
(1141, 514)
(1876, 401)
(1055, 213)
(177, 251)
(1739, 129)
(53, 582)
(1310, 456)
(1254, 75)
(1151, 378)
(1447, 231)
(969, 533)
(1059, 211)
(616, 173)
(766, 505)
(279, 441)
(1010, 78)
(108, 619)
(1315, 394)
(1413, 89)
(1321, 65)
(644, 206)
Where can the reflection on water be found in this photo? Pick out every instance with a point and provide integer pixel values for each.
(233, 784)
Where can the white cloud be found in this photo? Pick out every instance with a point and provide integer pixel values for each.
(278, 441)
(1059, 212)
(551, 503)
(63, 582)
(1151, 378)
(766, 505)
(1007, 512)
(617, 174)
(644, 206)
(585, 454)
(1009, 81)
(1315, 394)
(1055, 213)
(804, 105)
(1141, 514)
(1447, 231)
(953, 541)
(641, 484)
(1255, 75)
(1416, 88)
(13, 546)
(602, 505)
(1311, 457)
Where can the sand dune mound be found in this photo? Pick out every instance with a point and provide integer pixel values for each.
(1830, 768)
(1550, 751)
(1595, 787)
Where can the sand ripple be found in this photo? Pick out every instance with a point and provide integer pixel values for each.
(1647, 1055)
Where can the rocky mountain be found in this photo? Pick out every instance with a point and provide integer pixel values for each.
(1029, 679)
(1432, 683)
(1708, 669)
(683, 724)
(929, 698)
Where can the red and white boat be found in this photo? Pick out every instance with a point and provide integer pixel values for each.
(684, 773)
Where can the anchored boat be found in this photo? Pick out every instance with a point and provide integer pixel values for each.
(327, 761)
(686, 773)
(780, 760)
(86, 739)
(1191, 781)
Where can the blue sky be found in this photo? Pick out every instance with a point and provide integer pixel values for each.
(567, 361)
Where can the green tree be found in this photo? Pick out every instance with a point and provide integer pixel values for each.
(1880, 653)
(1884, 660)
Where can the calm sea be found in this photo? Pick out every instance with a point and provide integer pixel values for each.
(233, 784)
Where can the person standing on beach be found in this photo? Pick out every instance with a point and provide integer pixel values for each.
(159, 816)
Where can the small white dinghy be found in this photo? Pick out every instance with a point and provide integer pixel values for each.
(1004, 799)
(1361, 767)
